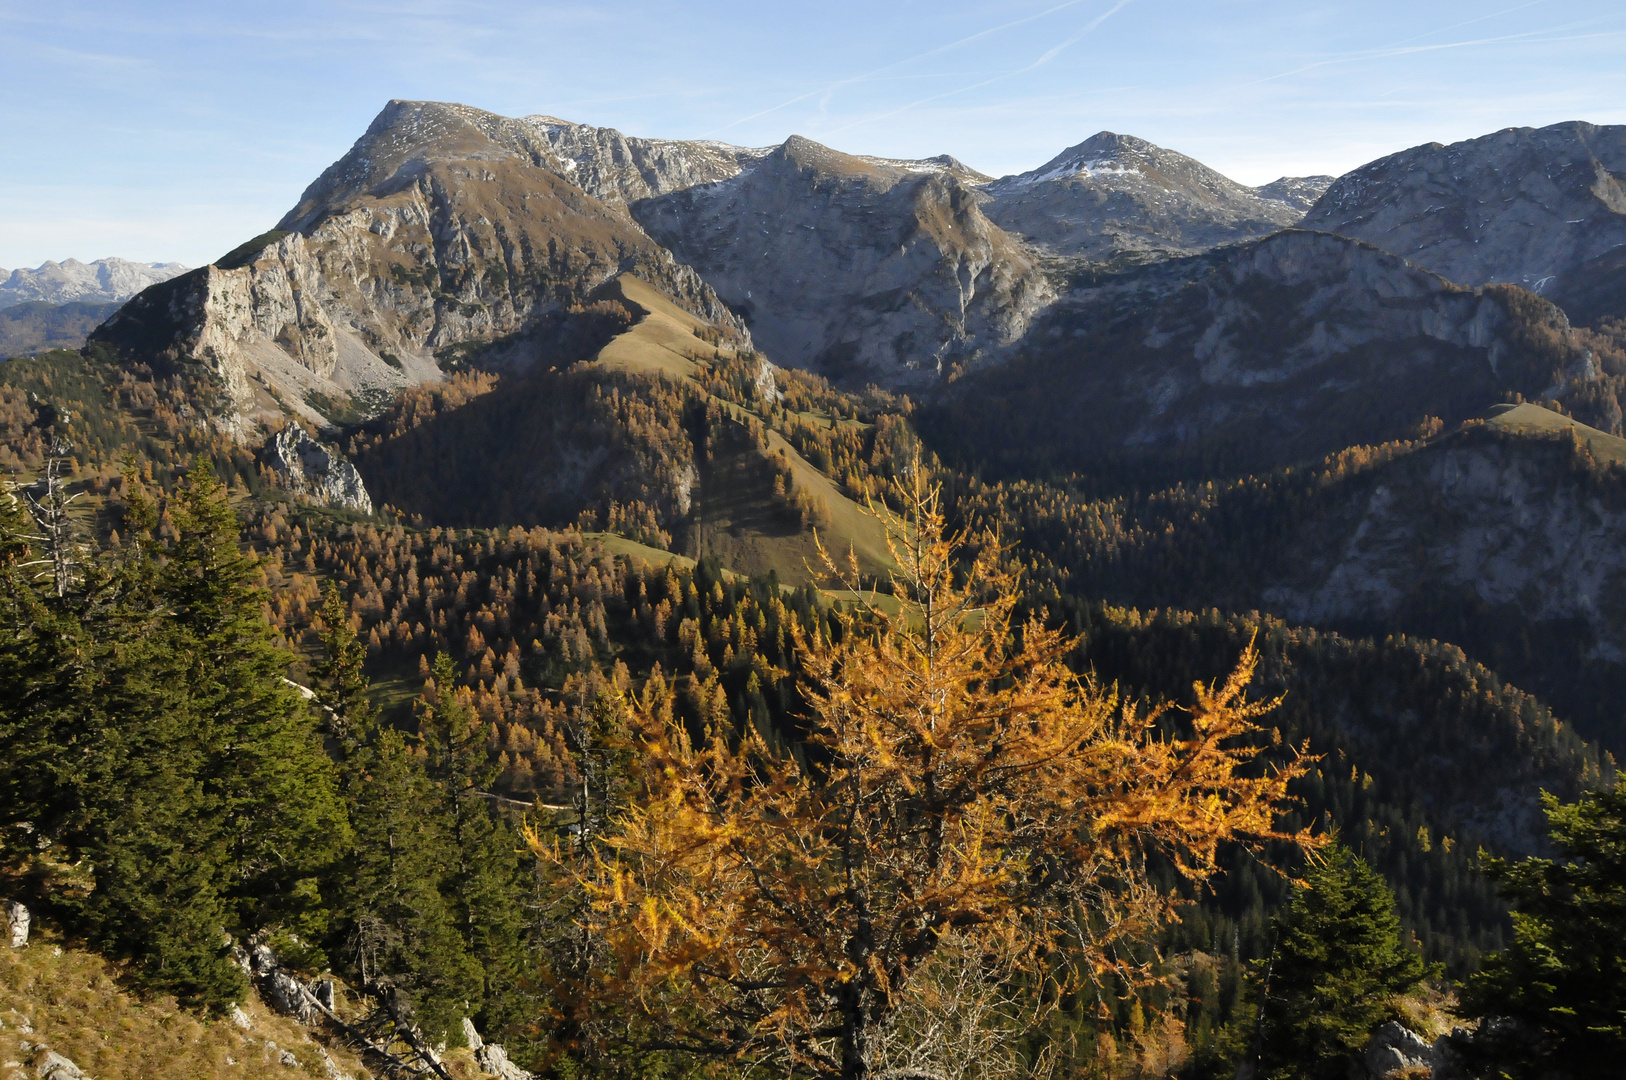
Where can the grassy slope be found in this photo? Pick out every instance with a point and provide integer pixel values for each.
(1533, 418)
(743, 529)
(75, 1006)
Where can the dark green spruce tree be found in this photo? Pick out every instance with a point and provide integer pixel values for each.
(47, 672)
(1554, 1003)
(1338, 965)
(188, 775)
(397, 934)
(282, 820)
(489, 881)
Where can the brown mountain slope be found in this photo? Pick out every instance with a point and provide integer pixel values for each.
(630, 439)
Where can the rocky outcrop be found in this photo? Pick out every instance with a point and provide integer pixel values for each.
(861, 271)
(491, 1057)
(105, 281)
(1114, 195)
(1396, 1051)
(319, 472)
(17, 923)
(1538, 207)
(51, 1065)
(1259, 355)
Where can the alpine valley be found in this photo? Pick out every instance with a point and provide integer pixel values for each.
(581, 410)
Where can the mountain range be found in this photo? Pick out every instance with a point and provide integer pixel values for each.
(1373, 421)
(105, 281)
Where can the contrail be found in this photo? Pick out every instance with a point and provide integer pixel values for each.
(1401, 48)
(838, 84)
(1045, 58)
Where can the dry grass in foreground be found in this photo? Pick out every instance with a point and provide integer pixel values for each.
(69, 1001)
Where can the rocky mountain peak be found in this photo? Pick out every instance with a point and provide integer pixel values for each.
(808, 156)
(403, 139)
(867, 270)
(1116, 194)
(1299, 192)
(1540, 207)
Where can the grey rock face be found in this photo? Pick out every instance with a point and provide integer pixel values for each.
(105, 281)
(1484, 518)
(1115, 194)
(614, 167)
(1394, 1049)
(861, 271)
(54, 1066)
(309, 468)
(1527, 206)
(18, 920)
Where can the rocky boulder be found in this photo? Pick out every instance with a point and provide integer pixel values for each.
(1397, 1051)
(309, 468)
(17, 923)
(492, 1057)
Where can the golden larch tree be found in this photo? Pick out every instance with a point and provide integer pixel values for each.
(957, 778)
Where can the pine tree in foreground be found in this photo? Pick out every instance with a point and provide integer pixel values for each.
(149, 732)
(1338, 966)
(1554, 1002)
(957, 779)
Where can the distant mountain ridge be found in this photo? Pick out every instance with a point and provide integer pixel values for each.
(1544, 208)
(105, 281)
(1115, 194)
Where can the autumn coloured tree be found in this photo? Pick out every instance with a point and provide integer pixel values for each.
(956, 779)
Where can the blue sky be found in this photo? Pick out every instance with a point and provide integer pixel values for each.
(175, 130)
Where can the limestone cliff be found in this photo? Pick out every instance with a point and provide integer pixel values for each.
(865, 272)
(443, 230)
